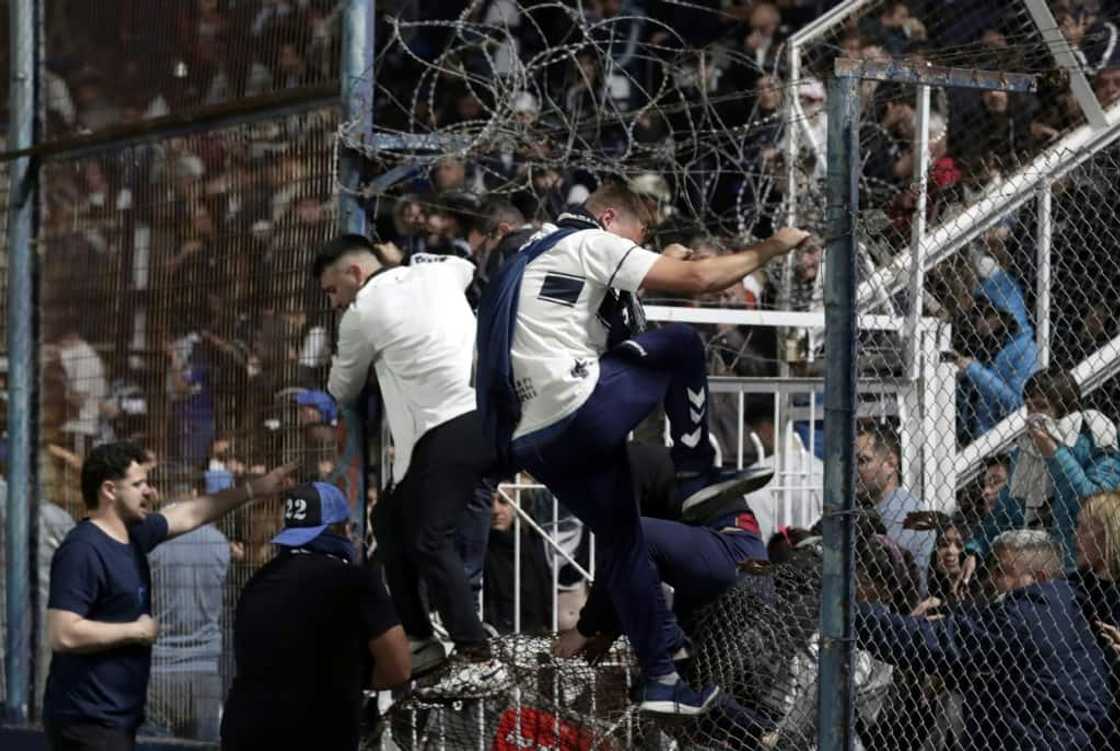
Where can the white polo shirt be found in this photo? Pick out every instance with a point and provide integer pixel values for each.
(414, 326)
(559, 336)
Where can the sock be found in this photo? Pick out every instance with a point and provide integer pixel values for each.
(670, 679)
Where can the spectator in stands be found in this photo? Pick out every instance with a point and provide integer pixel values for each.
(188, 576)
(798, 475)
(1036, 633)
(306, 624)
(1092, 38)
(1097, 583)
(1001, 357)
(879, 487)
(450, 218)
(499, 581)
(409, 224)
(189, 385)
(1106, 85)
(946, 565)
(99, 609)
(893, 28)
(886, 579)
(389, 316)
(87, 388)
(1067, 454)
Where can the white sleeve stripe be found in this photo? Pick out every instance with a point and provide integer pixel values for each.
(618, 268)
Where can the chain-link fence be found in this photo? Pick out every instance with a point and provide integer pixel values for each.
(176, 310)
(125, 62)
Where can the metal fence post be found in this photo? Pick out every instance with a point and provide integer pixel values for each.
(358, 29)
(22, 360)
(836, 701)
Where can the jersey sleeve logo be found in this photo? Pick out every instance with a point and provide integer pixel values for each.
(563, 289)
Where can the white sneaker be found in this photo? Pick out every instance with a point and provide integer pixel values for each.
(427, 655)
(469, 680)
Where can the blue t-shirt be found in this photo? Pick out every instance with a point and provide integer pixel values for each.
(101, 579)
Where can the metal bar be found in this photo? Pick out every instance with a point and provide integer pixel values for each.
(770, 318)
(356, 73)
(1064, 57)
(836, 701)
(1002, 199)
(917, 234)
(545, 537)
(837, 16)
(935, 75)
(1043, 270)
(22, 359)
(357, 104)
(267, 107)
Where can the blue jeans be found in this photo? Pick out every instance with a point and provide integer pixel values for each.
(583, 460)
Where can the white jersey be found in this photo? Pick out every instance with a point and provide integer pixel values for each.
(559, 336)
(414, 326)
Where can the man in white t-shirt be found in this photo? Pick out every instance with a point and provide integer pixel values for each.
(584, 382)
(412, 325)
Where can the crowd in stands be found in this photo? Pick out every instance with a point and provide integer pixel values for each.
(177, 310)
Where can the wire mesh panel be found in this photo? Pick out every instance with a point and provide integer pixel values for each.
(122, 62)
(178, 311)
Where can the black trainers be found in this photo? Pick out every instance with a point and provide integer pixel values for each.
(704, 494)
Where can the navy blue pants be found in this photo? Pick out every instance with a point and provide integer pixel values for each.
(700, 563)
(583, 460)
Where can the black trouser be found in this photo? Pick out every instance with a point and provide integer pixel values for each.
(88, 736)
(417, 525)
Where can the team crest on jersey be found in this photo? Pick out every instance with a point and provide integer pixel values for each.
(581, 369)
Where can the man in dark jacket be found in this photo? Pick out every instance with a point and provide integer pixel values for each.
(1028, 666)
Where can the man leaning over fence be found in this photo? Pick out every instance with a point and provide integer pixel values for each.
(99, 611)
(1028, 666)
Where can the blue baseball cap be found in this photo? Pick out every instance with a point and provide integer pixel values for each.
(321, 401)
(308, 510)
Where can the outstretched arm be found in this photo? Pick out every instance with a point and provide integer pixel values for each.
(190, 514)
(671, 274)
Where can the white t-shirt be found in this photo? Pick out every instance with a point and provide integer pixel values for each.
(559, 336)
(414, 326)
(85, 375)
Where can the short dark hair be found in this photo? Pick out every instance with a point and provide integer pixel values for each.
(339, 246)
(883, 435)
(109, 461)
(997, 460)
(1059, 388)
(493, 212)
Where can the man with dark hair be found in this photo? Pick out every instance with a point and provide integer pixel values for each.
(879, 486)
(564, 377)
(412, 325)
(306, 626)
(99, 611)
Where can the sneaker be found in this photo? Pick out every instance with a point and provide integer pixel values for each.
(467, 679)
(427, 655)
(703, 494)
(677, 699)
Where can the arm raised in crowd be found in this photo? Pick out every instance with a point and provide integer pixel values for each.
(191, 513)
(671, 274)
